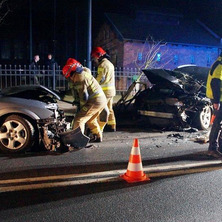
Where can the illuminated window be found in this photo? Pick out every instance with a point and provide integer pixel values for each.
(158, 57)
(208, 60)
(175, 59)
(140, 56)
(192, 59)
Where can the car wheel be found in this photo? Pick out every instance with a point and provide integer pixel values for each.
(203, 118)
(16, 134)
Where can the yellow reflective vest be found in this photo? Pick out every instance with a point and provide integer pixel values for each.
(106, 77)
(86, 86)
(215, 72)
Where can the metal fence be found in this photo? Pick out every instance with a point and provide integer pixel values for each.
(53, 79)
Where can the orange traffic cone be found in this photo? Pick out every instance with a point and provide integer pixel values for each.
(134, 171)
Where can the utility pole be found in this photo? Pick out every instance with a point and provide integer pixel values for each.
(54, 29)
(76, 32)
(30, 29)
(89, 42)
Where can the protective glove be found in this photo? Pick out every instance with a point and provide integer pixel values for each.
(76, 103)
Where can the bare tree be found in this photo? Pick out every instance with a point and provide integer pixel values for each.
(157, 55)
(4, 10)
(151, 49)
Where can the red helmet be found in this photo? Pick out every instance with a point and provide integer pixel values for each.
(70, 66)
(97, 52)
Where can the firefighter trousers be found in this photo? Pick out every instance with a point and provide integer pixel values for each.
(214, 138)
(88, 114)
(111, 120)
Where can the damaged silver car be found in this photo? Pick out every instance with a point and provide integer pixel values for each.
(176, 98)
(30, 116)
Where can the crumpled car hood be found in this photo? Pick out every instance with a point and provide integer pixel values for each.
(162, 77)
(29, 92)
(197, 72)
(34, 100)
(175, 80)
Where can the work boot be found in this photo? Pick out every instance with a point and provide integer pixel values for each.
(110, 128)
(95, 139)
(213, 137)
(214, 153)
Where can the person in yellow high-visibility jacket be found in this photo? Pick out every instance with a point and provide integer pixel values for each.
(106, 78)
(214, 92)
(90, 96)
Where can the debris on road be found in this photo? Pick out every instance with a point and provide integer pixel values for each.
(177, 135)
(203, 139)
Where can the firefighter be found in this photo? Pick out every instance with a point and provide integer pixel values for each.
(214, 92)
(90, 96)
(106, 78)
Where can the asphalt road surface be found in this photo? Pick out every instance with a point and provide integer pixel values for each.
(85, 185)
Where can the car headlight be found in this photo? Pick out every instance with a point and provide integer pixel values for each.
(179, 104)
(53, 107)
(174, 102)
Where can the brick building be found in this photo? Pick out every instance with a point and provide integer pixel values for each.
(130, 38)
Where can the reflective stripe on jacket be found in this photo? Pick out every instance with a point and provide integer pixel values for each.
(106, 77)
(86, 86)
(214, 73)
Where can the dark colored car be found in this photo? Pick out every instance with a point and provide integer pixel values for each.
(29, 115)
(176, 98)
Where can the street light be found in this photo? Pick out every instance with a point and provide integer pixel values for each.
(89, 42)
(30, 29)
(54, 29)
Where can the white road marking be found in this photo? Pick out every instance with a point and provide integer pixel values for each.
(183, 165)
(54, 184)
(87, 178)
(61, 177)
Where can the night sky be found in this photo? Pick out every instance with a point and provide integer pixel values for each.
(67, 19)
(208, 11)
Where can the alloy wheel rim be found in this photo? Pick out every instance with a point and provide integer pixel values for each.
(13, 134)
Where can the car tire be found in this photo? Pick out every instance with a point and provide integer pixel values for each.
(16, 134)
(202, 120)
